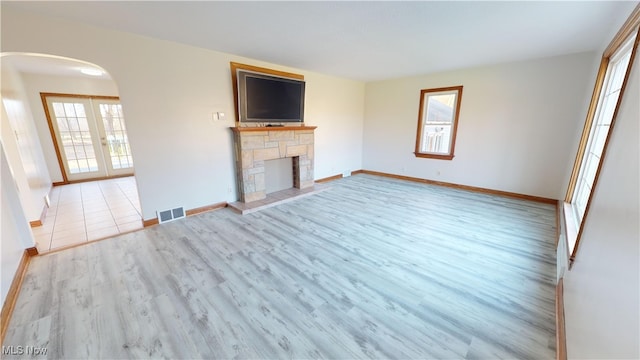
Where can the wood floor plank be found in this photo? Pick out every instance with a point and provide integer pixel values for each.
(35, 334)
(370, 268)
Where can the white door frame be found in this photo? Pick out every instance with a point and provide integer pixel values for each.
(96, 130)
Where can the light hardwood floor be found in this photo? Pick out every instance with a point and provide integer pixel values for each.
(370, 268)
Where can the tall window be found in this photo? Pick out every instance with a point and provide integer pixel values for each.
(438, 122)
(611, 81)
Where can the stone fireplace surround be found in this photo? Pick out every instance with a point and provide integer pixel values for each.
(255, 145)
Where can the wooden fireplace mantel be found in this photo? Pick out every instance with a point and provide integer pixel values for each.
(236, 129)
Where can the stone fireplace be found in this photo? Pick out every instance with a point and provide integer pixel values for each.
(255, 145)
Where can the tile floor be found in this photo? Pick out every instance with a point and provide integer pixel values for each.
(89, 211)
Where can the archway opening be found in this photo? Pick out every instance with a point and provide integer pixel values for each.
(65, 135)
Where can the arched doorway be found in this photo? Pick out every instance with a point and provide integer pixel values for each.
(70, 134)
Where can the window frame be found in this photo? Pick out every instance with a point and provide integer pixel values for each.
(425, 94)
(574, 227)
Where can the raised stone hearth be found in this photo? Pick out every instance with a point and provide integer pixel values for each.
(254, 145)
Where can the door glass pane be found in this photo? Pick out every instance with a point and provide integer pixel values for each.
(76, 139)
(74, 168)
(62, 123)
(83, 124)
(116, 136)
(93, 164)
(58, 109)
(69, 153)
(70, 110)
(73, 124)
(79, 110)
(79, 150)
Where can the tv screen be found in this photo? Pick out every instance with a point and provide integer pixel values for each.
(266, 98)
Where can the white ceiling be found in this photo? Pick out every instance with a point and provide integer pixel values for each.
(362, 40)
(52, 65)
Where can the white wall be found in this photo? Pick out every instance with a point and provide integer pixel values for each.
(337, 107)
(602, 290)
(22, 144)
(519, 123)
(168, 92)
(34, 84)
(14, 228)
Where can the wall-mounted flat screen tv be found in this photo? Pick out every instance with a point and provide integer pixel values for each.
(267, 98)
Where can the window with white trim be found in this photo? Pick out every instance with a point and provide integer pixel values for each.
(597, 131)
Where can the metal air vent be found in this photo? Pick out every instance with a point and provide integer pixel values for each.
(170, 215)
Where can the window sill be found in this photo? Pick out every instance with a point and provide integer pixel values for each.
(434, 156)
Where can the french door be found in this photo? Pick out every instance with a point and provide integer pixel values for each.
(90, 136)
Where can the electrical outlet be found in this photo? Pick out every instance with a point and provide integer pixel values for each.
(218, 116)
